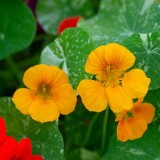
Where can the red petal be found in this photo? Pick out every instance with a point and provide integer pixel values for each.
(9, 149)
(68, 23)
(2, 130)
(24, 149)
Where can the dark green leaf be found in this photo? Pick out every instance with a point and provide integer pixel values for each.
(46, 138)
(70, 52)
(118, 20)
(51, 12)
(17, 27)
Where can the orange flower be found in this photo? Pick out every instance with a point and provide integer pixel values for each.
(113, 84)
(49, 93)
(133, 123)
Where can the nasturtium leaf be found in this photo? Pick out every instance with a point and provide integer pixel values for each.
(119, 19)
(17, 27)
(46, 138)
(146, 48)
(51, 12)
(145, 148)
(69, 52)
(153, 98)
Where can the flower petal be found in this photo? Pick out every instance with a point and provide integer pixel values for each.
(145, 110)
(93, 95)
(23, 98)
(114, 55)
(135, 83)
(118, 100)
(9, 149)
(2, 130)
(138, 125)
(65, 98)
(42, 73)
(124, 131)
(43, 110)
(24, 149)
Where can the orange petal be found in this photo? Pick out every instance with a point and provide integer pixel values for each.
(93, 95)
(118, 100)
(138, 126)
(42, 73)
(43, 110)
(124, 131)
(135, 83)
(65, 98)
(145, 110)
(114, 55)
(23, 98)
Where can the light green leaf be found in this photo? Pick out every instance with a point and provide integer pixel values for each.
(70, 51)
(118, 20)
(146, 48)
(145, 148)
(46, 138)
(51, 12)
(17, 27)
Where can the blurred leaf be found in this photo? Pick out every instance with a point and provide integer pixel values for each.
(70, 51)
(118, 20)
(17, 27)
(146, 48)
(46, 138)
(51, 12)
(145, 148)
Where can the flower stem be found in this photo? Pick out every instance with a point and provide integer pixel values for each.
(90, 128)
(104, 129)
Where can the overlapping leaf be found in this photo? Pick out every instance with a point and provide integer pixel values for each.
(46, 138)
(17, 27)
(51, 12)
(118, 20)
(146, 48)
(145, 148)
(70, 51)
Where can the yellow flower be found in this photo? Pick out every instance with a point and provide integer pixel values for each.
(113, 84)
(49, 94)
(132, 124)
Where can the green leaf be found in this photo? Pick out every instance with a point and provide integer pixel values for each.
(70, 51)
(51, 12)
(46, 138)
(152, 97)
(17, 27)
(146, 48)
(118, 20)
(145, 148)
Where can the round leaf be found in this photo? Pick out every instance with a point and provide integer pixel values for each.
(70, 51)
(118, 20)
(17, 27)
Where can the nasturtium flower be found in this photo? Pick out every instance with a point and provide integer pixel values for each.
(48, 95)
(10, 149)
(133, 123)
(112, 84)
(69, 22)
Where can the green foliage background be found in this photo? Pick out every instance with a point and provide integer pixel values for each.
(80, 135)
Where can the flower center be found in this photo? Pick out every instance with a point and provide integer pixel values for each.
(44, 91)
(110, 77)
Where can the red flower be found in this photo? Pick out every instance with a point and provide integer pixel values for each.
(10, 149)
(68, 23)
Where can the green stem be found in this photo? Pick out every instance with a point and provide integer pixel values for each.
(90, 128)
(104, 129)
